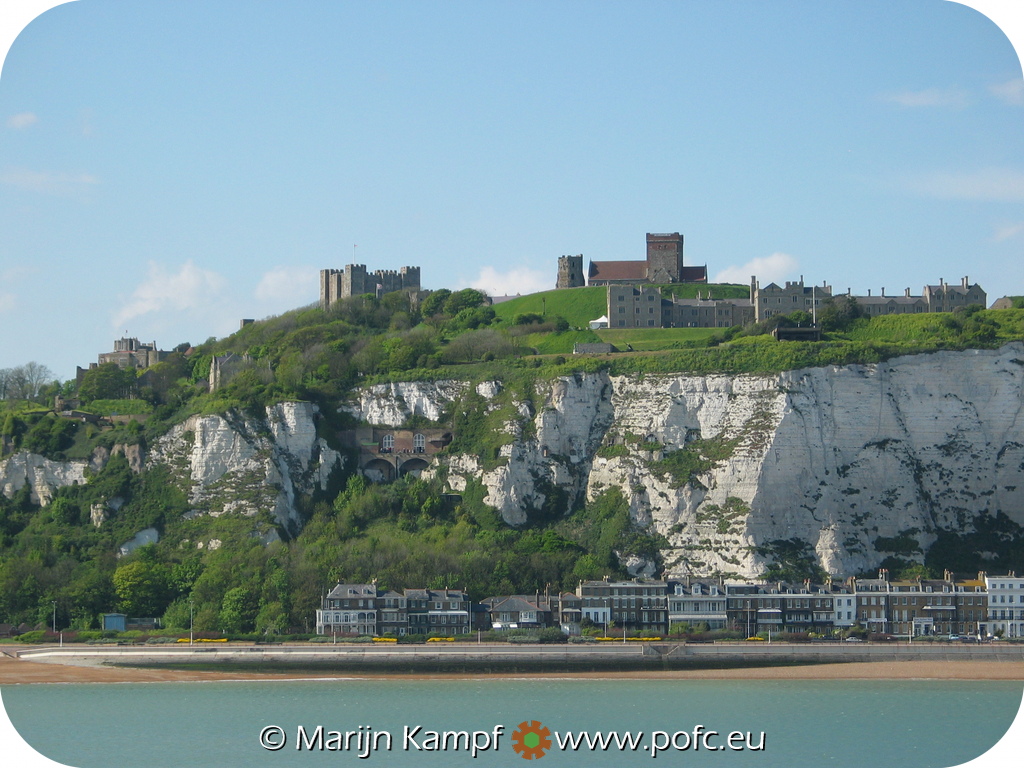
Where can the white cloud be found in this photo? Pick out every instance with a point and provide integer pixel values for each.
(518, 280)
(930, 97)
(1011, 92)
(190, 288)
(47, 182)
(22, 120)
(1008, 232)
(997, 184)
(298, 285)
(767, 269)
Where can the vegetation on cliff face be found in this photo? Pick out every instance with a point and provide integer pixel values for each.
(234, 572)
(404, 534)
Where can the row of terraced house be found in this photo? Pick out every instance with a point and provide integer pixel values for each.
(983, 606)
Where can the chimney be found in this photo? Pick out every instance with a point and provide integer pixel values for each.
(963, 282)
(883, 291)
(906, 292)
(981, 575)
(869, 291)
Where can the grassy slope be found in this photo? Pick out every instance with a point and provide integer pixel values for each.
(577, 305)
(929, 328)
(649, 339)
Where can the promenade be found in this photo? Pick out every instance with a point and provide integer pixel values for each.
(500, 658)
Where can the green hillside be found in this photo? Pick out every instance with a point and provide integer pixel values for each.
(577, 305)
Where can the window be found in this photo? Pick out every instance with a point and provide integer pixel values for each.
(419, 443)
(387, 443)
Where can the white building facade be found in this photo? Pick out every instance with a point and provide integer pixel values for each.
(1005, 605)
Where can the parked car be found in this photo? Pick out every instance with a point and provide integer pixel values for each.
(854, 640)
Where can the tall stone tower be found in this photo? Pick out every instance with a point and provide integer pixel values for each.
(330, 286)
(570, 272)
(664, 258)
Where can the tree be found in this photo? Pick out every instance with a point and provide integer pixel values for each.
(800, 318)
(839, 313)
(434, 303)
(467, 298)
(915, 572)
(238, 610)
(272, 618)
(107, 382)
(141, 587)
(24, 382)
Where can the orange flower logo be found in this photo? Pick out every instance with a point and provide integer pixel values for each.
(531, 740)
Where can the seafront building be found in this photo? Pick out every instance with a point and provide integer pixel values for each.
(979, 607)
(1005, 605)
(363, 609)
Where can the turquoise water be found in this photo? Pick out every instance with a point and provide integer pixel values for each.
(911, 724)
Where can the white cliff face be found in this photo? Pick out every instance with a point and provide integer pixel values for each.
(854, 462)
(231, 464)
(225, 463)
(42, 475)
(392, 404)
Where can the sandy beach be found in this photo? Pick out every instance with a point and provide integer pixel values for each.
(18, 671)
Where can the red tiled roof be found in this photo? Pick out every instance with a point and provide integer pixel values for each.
(694, 275)
(618, 270)
(637, 270)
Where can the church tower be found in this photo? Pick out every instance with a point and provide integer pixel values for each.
(570, 272)
(664, 258)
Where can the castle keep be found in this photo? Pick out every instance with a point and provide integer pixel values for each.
(354, 280)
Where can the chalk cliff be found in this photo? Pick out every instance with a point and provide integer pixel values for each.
(225, 462)
(855, 463)
(851, 463)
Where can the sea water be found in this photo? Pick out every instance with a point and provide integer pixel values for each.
(905, 723)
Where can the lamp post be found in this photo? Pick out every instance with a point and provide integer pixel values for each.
(190, 616)
(54, 616)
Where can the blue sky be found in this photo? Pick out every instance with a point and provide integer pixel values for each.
(167, 168)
